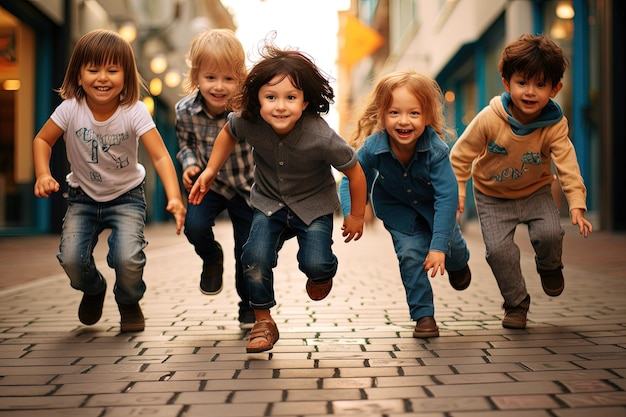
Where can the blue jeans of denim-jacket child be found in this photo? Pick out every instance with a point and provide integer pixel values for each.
(199, 223)
(84, 220)
(411, 249)
(268, 233)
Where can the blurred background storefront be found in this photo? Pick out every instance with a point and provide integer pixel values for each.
(455, 41)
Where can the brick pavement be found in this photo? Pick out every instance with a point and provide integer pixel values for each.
(350, 354)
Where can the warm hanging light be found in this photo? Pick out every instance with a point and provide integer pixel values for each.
(156, 86)
(11, 85)
(158, 63)
(564, 10)
(128, 31)
(173, 78)
(149, 102)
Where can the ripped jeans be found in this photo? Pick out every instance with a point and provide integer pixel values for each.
(267, 235)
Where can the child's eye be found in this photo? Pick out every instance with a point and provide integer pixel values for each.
(415, 113)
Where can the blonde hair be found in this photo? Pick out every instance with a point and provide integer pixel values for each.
(218, 48)
(102, 47)
(378, 101)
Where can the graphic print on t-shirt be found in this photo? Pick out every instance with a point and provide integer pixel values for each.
(104, 142)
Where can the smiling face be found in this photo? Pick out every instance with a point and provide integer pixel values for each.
(529, 96)
(282, 104)
(102, 84)
(217, 87)
(404, 120)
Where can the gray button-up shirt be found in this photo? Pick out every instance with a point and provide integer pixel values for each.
(295, 171)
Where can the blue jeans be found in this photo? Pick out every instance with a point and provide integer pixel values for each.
(84, 220)
(199, 223)
(260, 253)
(411, 250)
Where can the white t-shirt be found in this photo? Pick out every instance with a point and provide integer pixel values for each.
(103, 155)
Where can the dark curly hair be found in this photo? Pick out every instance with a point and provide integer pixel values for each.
(291, 63)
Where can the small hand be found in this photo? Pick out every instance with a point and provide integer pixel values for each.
(435, 261)
(352, 228)
(45, 185)
(190, 175)
(578, 218)
(177, 208)
(200, 187)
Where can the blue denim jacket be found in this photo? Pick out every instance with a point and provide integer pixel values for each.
(423, 194)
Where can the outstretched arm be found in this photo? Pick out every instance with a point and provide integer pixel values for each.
(164, 166)
(353, 223)
(45, 139)
(224, 145)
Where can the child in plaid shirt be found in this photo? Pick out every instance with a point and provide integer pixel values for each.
(217, 69)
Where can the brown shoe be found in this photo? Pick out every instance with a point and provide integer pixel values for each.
(90, 309)
(552, 281)
(131, 318)
(265, 330)
(318, 290)
(460, 279)
(426, 327)
(515, 317)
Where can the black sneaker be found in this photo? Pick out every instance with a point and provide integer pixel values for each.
(211, 282)
(515, 317)
(246, 319)
(460, 279)
(90, 309)
(552, 281)
(131, 318)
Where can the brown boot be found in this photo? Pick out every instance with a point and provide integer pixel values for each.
(515, 317)
(131, 318)
(426, 327)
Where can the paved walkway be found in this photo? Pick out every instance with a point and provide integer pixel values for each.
(350, 354)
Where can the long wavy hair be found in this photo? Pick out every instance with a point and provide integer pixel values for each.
(378, 102)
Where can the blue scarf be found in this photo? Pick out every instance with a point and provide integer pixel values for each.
(550, 115)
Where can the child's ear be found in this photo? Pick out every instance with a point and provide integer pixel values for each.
(556, 89)
(506, 85)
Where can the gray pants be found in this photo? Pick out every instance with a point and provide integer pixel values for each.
(499, 219)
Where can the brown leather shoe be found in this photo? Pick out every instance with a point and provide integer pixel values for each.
(318, 290)
(426, 327)
(552, 281)
(266, 331)
(131, 318)
(515, 316)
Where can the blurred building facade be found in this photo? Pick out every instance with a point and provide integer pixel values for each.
(36, 40)
(458, 42)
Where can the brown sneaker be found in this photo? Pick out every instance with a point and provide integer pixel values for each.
(552, 281)
(131, 318)
(90, 309)
(426, 327)
(318, 290)
(515, 317)
(460, 279)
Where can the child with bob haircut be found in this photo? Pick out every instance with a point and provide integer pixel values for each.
(412, 187)
(102, 120)
(217, 69)
(508, 150)
(294, 191)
